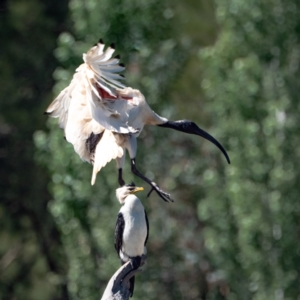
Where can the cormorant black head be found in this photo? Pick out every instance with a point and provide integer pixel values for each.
(192, 128)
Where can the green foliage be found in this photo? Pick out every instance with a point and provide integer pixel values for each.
(245, 243)
(253, 209)
(32, 260)
(233, 230)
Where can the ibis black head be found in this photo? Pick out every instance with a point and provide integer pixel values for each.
(192, 128)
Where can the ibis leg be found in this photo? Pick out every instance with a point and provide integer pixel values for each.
(120, 163)
(166, 197)
(120, 178)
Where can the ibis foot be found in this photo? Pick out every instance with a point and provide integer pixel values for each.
(165, 196)
(154, 187)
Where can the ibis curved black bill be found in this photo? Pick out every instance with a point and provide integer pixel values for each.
(192, 128)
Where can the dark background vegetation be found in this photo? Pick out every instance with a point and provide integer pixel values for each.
(231, 66)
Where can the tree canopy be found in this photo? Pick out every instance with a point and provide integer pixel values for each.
(232, 67)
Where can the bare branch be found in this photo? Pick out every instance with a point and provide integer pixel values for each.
(118, 286)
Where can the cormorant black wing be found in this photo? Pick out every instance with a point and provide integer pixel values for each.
(119, 229)
(147, 222)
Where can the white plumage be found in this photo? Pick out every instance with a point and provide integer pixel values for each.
(102, 118)
(135, 230)
(132, 227)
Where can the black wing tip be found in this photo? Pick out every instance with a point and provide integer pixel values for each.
(118, 56)
(112, 45)
(122, 75)
(46, 113)
(122, 65)
(101, 41)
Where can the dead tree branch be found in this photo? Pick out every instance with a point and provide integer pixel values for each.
(118, 286)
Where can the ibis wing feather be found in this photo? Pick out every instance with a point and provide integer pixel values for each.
(105, 56)
(109, 62)
(112, 68)
(60, 105)
(112, 76)
(100, 48)
(111, 113)
(106, 150)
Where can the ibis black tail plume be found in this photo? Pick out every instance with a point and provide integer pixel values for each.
(192, 128)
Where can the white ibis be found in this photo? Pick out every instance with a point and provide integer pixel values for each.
(102, 118)
(132, 228)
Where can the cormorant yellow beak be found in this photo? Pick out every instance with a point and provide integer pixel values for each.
(137, 189)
